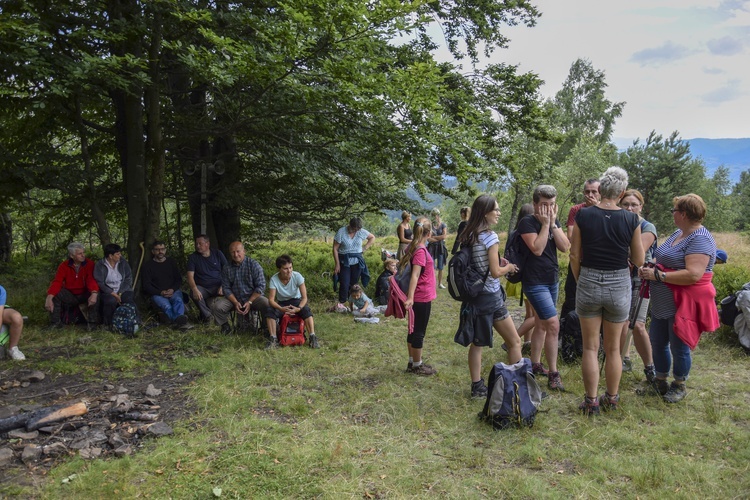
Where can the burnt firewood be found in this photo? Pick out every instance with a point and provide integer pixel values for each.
(43, 416)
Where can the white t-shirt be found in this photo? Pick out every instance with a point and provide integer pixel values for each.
(290, 290)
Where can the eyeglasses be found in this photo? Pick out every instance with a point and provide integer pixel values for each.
(673, 210)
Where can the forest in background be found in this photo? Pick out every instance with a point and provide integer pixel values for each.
(123, 119)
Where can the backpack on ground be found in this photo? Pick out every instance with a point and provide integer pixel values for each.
(125, 320)
(729, 311)
(291, 330)
(513, 254)
(513, 396)
(464, 281)
(571, 338)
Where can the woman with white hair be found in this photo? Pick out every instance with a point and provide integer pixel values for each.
(604, 236)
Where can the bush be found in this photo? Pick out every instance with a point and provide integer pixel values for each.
(728, 278)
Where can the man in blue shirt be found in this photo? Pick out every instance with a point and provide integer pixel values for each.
(243, 284)
(204, 275)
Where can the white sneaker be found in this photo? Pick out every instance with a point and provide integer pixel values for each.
(15, 353)
(441, 286)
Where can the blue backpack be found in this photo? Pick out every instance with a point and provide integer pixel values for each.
(125, 320)
(513, 396)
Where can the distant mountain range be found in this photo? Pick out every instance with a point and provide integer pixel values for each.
(732, 153)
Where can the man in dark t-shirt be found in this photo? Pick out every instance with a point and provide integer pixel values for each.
(591, 197)
(204, 274)
(161, 283)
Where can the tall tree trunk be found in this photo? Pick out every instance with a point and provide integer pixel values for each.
(129, 128)
(155, 146)
(100, 220)
(6, 237)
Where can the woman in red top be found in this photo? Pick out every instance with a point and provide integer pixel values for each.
(420, 295)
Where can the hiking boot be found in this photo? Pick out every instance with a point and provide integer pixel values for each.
(660, 386)
(478, 389)
(226, 328)
(181, 320)
(16, 354)
(650, 372)
(313, 342)
(554, 382)
(589, 407)
(423, 370)
(539, 370)
(409, 367)
(163, 318)
(676, 392)
(607, 402)
(272, 343)
(627, 365)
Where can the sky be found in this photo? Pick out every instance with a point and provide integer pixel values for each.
(679, 65)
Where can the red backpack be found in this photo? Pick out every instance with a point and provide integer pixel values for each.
(291, 330)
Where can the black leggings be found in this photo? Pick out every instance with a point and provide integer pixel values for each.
(421, 312)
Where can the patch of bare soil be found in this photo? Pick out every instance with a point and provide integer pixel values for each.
(120, 415)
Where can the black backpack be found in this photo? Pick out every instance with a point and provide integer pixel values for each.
(571, 339)
(513, 396)
(514, 255)
(125, 320)
(728, 311)
(464, 281)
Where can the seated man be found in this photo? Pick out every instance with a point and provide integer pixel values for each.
(161, 282)
(13, 321)
(287, 294)
(243, 283)
(73, 286)
(204, 274)
(115, 279)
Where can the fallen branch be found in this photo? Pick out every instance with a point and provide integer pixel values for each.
(43, 416)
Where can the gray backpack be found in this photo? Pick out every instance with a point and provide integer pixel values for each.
(513, 396)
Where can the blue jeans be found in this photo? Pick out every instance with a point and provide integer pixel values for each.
(172, 307)
(543, 299)
(666, 346)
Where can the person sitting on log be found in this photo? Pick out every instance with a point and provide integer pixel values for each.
(73, 287)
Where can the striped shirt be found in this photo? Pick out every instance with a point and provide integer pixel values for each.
(350, 244)
(480, 259)
(673, 257)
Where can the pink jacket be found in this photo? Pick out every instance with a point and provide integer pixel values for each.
(696, 309)
(395, 308)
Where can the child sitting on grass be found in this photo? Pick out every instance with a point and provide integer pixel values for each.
(361, 305)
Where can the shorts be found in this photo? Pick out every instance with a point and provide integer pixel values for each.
(543, 298)
(643, 311)
(440, 262)
(274, 313)
(604, 293)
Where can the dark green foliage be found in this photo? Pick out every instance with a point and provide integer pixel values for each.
(728, 278)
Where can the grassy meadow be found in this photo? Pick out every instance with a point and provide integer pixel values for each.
(346, 421)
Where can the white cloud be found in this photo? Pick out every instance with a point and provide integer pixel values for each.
(664, 54)
(731, 91)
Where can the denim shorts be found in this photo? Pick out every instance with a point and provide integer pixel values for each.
(604, 293)
(543, 298)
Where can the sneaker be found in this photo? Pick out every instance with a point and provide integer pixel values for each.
(676, 392)
(313, 342)
(409, 367)
(423, 370)
(272, 343)
(589, 407)
(16, 354)
(441, 286)
(608, 402)
(627, 365)
(554, 382)
(226, 328)
(478, 389)
(650, 372)
(341, 308)
(538, 369)
(181, 320)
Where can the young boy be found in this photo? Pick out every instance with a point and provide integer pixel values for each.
(360, 304)
(383, 285)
